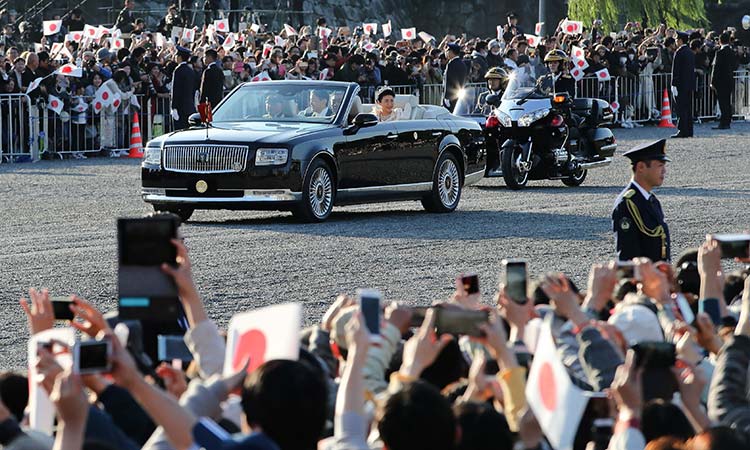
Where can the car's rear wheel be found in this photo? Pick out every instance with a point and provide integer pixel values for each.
(183, 213)
(446, 186)
(318, 193)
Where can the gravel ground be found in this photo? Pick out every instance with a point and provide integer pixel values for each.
(57, 230)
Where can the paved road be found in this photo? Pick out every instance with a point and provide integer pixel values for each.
(57, 229)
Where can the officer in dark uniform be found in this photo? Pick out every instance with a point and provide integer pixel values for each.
(722, 79)
(212, 80)
(558, 79)
(497, 81)
(637, 218)
(455, 77)
(683, 85)
(183, 90)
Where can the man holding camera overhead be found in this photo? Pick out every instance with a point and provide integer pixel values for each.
(637, 218)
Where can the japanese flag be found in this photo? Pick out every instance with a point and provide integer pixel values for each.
(229, 41)
(603, 75)
(425, 36)
(615, 105)
(324, 32)
(188, 34)
(557, 404)
(387, 29)
(97, 105)
(408, 34)
(177, 32)
(576, 73)
(290, 31)
(51, 27)
(55, 104)
(500, 32)
(323, 74)
(54, 52)
(34, 84)
(263, 335)
(532, 40)
(581, 63)
(572, 27)
(80, 107)
(74, 36)
(370, 28)
(104, 95)
(577, 52)
(116, 33)
(159, 40)
(101, 31)
(280, 41)
(369, 47)
(538, 28)
(116, 101)
(89, 31)
(263, 76)
(116, 43)
(221, 25)
(267, 50)
(255, 28)
(70, 70)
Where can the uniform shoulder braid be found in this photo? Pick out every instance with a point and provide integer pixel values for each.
(629, 193)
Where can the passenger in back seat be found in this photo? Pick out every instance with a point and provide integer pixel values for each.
(384, 106)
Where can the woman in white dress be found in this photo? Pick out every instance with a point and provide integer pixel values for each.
(385, 100)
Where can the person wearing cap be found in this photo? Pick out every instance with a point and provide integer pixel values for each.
(683, 85)
(183, 89)
(456, 73)
(513, 24)
(637, 218)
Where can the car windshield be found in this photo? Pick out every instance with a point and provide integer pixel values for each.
(282, 102)
(520, 87)
(468, 101)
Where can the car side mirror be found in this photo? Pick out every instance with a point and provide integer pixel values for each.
(362, 120)
(493, 100)
(194, 120)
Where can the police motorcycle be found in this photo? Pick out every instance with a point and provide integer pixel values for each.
(547, 135)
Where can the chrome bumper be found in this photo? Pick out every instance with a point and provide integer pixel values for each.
(156, 195)
(474, 178)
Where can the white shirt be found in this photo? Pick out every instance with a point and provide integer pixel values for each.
(645, 193)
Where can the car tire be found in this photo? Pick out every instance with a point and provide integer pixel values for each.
(183, 213)
(318, 193)
(447, 185)
(576, 179)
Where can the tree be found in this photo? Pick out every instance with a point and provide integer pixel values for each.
(681, 14)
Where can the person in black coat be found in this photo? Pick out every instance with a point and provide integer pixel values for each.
(683, 85)
(722, 80)
(212, 81)
(183, 90)
(637, 218)
(455, 77)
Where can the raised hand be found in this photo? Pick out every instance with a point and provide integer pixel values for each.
(92, 321)
(423, 348)
(39, 312)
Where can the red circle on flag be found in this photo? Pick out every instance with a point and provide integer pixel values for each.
(116, 103)
(92, 31)
(221, 25)
(98, 105)
(251, 344)
(105, 95)
(408, 34)
(570, 28)
(581, 63)
(53, 27)
(54, 103)
(547, 386)
(66, 69)
(602, 75)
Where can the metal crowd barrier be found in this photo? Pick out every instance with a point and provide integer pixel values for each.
(17, 130)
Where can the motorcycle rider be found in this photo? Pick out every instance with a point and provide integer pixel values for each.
(558, 79)
(497, 81)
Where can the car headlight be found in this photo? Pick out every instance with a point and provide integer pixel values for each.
(529, 118)
(504, 119)
(152, 156)
(271, 156)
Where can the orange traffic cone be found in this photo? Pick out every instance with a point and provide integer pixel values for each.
(136, 143)
(666, 112)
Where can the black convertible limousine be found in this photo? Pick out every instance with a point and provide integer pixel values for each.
(267, 149)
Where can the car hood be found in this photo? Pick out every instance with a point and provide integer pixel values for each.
(243, 132)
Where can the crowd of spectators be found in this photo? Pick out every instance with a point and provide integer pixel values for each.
(140, 61)
(415, 389)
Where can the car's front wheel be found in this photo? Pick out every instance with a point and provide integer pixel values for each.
(318, 193)
(446, 186)
(183, 213)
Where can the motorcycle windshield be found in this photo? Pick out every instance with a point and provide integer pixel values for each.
(468, 101)
(521, 87)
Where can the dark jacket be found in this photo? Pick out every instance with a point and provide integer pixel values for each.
(724, 65)
(183, 90)
(125, 21)
(683, 70)
(127, 414)
(212, 85)
(728, 402)
(455, 78)
(638, 229)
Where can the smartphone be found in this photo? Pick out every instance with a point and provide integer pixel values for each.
(460, 321)
(147, 241)
(710, 306)
(92, 356)
(418, 314)
(655, 354)
(515, 280)
(626, 270)
(369, 303)
(312, 54)
(470, 283)
(61, 308)
(209, 435)
(169, 348)
(687, 313)
(734, 245)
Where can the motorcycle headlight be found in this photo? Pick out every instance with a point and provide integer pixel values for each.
(271, 156)
(529, 118)
(504, 119)
(152, 155)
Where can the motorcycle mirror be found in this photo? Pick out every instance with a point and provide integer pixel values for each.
(493, 100)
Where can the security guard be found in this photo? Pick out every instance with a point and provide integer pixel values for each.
(637, 218)
(497, 81)
(558, 79)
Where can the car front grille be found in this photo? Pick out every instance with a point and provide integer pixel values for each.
(205, 158)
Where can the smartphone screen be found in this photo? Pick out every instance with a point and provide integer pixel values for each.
(169, 348)
(515, 280)
(470, 282)
(92, 356)
(734, 245)
(710, 306)
(687, 313)
(61, 308)
(417, 315)
(460, 321)
(147, 241)
(209, 435)
(625, 270)
(655, 355)
(369, 301)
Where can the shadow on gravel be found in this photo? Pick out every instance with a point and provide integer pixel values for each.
(556, 190)
(676, 191)
(460, 225)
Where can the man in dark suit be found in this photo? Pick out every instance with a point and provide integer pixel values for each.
(683, 85)
(722, 80)
(183, 90)
(455, 76)
(637, 218)
(212, 81)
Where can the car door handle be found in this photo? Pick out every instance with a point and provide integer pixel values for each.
(437, 133)
(392, 136)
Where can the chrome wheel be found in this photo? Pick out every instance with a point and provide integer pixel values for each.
(522, 168)
(448, 183)
(321, 192)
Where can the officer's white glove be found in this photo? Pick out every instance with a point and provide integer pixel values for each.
(674, 91)
(175, 115)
